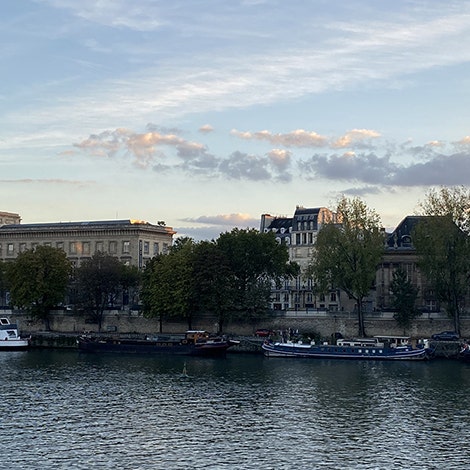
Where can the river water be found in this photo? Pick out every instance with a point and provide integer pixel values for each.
(69, 410)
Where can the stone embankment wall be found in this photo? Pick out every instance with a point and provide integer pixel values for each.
(117, 322)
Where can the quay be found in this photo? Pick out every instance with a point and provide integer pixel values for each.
(248, 344)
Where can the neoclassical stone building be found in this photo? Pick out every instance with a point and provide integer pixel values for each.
(133, 242)
(299, 234)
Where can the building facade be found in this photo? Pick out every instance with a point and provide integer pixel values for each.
(299, 234)
(132, 242)
(400, 253)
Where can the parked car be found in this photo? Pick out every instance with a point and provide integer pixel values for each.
(263, 332)
(445, 336)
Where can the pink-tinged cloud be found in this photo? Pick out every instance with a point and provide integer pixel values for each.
(206, 129)
(236, 219)
(355, 137)
(279, 158)
(297, 138)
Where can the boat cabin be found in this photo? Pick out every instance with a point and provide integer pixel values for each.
(193, 336)
(8, 330)
(361, 342)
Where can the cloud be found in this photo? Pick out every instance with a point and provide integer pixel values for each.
(366, 168)
(296, 138)
(47, 181)
(356, 138)
(115, 13)
(214, 225)
(237, 219)
(300, 138)
(446, 170)
(375, 170)
(206, 128)
(241, 165)
(143, 147)
(385, 166)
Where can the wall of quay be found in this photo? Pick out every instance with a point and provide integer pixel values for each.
(322, 324)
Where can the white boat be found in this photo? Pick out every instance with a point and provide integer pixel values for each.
(10, 340)
(376, 348)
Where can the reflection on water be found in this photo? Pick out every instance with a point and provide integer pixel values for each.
(69, 410)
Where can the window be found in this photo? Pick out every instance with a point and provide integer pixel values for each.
(73, 248)
(59, 245)
(86, 248)
(333, 297)
(146, 248)
(47, 244)
(113, 247)
(10, 248)
(126, 246)
(99, 247)
(22, 247)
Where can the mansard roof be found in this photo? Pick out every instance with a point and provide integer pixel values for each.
(401, 237)
(302, 211)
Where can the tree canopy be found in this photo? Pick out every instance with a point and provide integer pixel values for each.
(100, 280)
(347, 253)
(404, 296)
(168, 287)
(38, 280)
(256, 260)
(442, 241)
(226, 277)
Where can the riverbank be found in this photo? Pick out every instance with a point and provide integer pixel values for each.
(247, 344)
(314, 324)
(53, 340)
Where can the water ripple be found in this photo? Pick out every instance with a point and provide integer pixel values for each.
(68, 411)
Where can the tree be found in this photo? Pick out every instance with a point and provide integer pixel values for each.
(255, 260)
(3, 283)
(442, 243)
(404, 296)
(347, 253)
(214, 282)
(100, 279)
(228, 276)
(38, 280)
(168, 285)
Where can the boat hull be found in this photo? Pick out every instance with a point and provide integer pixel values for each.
(14, 345)
(96, 345)
(337, 352)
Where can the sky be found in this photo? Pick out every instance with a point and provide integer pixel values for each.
(206, 114)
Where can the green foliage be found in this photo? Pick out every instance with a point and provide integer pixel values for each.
(100, 280)
(3, 282)
(255, 260)
(168, 285)
(404, 296)
(229, 276)
(443, 246)
(214, 282)
(347, 253)
(38, 280)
